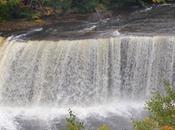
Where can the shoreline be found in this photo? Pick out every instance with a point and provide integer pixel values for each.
(18, 25)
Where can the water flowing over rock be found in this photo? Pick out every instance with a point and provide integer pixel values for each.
(95, 74)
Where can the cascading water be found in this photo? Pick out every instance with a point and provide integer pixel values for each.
(109, 78)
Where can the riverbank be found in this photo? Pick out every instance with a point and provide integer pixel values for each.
(151, 21)
(17, 25)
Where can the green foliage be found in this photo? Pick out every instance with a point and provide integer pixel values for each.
(161, 108)
(27, 8)
(85, 5)
(13, 9)
(103, 127)
(72, 123)
(7, 8)
(63, 5)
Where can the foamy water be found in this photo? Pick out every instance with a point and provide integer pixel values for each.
(103, 80)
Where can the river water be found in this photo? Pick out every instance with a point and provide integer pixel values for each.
(104, 80)
(103, 71)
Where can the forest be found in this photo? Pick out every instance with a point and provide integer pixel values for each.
(33, 9)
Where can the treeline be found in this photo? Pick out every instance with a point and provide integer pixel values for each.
(10, 9)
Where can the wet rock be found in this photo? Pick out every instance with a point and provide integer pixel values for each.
(99, 15)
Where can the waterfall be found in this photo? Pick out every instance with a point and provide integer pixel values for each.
(84, 73)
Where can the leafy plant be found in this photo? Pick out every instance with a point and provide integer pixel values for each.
(72, 123)
(161, 108)
(103, 127)
(13, 9)
(85, 6)
(7, 8)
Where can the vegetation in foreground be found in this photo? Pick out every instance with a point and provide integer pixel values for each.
(161, 108)
(72, 123)
(33, 9)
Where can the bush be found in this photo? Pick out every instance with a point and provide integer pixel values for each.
(7, 8)
(161, 108)
(72, 123)
(85, 6)
(103, 127)
(13, 9)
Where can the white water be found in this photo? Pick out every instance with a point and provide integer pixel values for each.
(104, 77)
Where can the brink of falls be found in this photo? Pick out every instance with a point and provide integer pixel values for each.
(40, 80)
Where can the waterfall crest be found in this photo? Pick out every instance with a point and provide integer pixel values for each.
(84, 72)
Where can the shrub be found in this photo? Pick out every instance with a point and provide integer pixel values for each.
(7, 8)
(13, 9)
(161, 108)
(85, 6)
(103, 127)
(72, 123)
